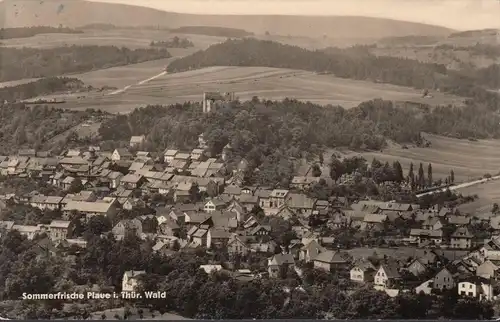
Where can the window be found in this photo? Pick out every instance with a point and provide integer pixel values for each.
(470, 286)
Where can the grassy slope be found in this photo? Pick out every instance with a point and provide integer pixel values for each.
(73, 13)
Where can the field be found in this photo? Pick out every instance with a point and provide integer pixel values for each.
(488, 193)
(130, 38)
(468, 160)
(246, 82)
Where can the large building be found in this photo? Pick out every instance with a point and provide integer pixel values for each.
(213, 101)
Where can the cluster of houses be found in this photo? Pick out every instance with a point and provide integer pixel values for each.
(224, 218)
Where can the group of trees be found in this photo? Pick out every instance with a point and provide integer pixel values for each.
(25, 32)
(39, 87)
(212, 31)
(19, 63)
(175, 42)
(22, 126)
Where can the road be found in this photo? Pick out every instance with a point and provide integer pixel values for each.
(460, 186)
(139, 83)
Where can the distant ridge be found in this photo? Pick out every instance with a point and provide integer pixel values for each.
(77, 13)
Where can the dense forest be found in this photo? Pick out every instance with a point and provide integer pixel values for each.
(354, 63)
(19, 63)
(42, 86)
(213, 31)
(175, 42)
(26, 267)
(271, 134)
(30, 127)
(490, 51)
(25, 32)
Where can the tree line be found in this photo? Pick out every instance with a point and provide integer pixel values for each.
(25, 32)
(175, 42)
(212, 31)
(19, 63)
(39, 87)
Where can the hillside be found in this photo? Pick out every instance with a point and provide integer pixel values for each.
(75, 13)
(353, 63)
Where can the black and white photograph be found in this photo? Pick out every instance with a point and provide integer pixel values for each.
(250, 160)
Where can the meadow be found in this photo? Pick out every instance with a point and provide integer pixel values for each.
(246, 82)
(469, 160)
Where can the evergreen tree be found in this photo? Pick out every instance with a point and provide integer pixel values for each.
(452, 177)
(429, 174)
(411, 175)
(398, 171)
(421, 178)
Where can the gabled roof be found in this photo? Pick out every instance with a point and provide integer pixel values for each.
(391, 270)
(280, 259)
(331, 257)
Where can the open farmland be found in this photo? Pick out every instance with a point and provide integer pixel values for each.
(130, 38)
(488, 193)
(469, 160)
(246, 82)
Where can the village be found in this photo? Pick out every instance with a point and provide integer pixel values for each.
(195, 204)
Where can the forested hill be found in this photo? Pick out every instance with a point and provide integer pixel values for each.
(253, 52)
(354, 63)
(19, 63)
(10, 33)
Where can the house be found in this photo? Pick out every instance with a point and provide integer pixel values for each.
(169, 155)
(425, 237)
(387, 276)
(130, 280)
(211, 268)
(487, 270)
(46, 202)
(363, 271)
(445, 279)
(416, 267)
(29, 231)
(115, 177)
(329, 260)
(237, 245)
(121, 154)
(132, 226)
(59, 230)
(168, 227)
(280, 263)
(461, 238)
(373, 222)
(491, 249)
(300, 203)
(476, 287)
(214, 205)
(277, 199)
(90, 209)
(199, 235)
(196, 154)
(433, 223)
(309, 252)
(137, 141)
(217, 238)
(132, 181)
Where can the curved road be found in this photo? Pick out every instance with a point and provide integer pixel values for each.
(460, 186)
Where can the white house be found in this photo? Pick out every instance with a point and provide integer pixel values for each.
(129, 281)
(476, 287)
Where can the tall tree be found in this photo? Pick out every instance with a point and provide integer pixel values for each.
(452, 176)
(398, 171)
(429, 174)
(421, 178)
(411, 175)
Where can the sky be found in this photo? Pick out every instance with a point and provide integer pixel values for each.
(456, 14)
